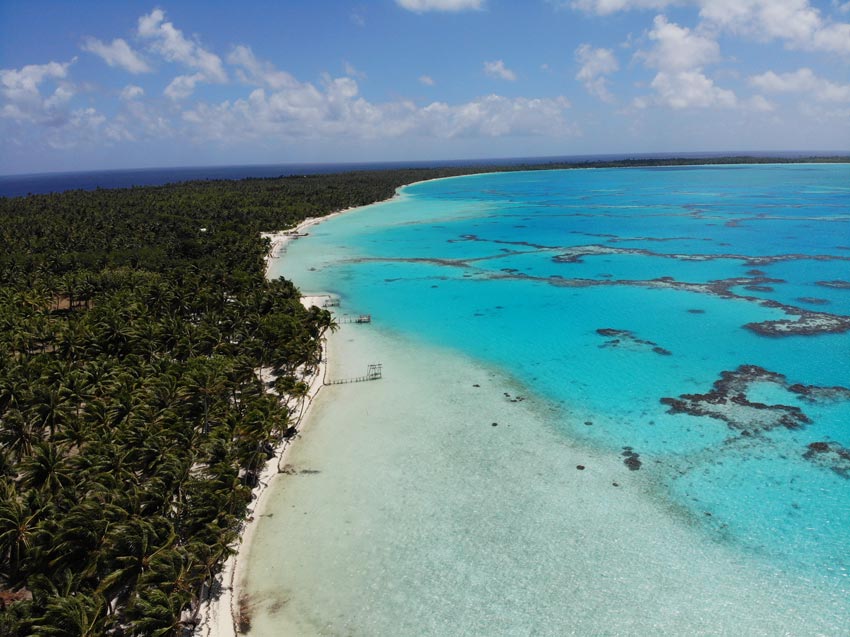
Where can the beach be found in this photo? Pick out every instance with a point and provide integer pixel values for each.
(219, 614)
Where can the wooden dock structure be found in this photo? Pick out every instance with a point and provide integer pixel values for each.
(360, 318)
(373, 372)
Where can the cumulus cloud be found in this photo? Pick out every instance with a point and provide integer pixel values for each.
(335, 109)
(497, 69)
(679, 55)
(132, 92)
(803, 80)
(596, 64)
(169, 42)
(427, 80)
(182, 86)
(21, 92)
(796, 22)
(421, 6)
(257, 72)
(759, 103)
(607, 7)
(690, 89)
(678, 48)
(118, 53)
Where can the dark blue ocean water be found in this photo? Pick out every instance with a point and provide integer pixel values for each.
(41, 183)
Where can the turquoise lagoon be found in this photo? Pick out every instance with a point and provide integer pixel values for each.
(534, 323)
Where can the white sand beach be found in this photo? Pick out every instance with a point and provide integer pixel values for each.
(219, 614)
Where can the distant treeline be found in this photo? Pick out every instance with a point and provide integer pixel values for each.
(132, 423)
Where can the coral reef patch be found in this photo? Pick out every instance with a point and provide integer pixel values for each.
(830, 455)
(728, 401)
(628, 340)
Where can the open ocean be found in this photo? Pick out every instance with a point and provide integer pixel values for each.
(664, 354)
(43, 183)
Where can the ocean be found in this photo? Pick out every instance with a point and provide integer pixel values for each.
(615, 402)
(20, 185)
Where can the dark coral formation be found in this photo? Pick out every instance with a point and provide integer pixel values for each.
(574, 255)
(812, 300)
(626, 338)
(728, 401)
(631, 459)
(800, 321)
(830, 455)
(838, 284)
(816, 394)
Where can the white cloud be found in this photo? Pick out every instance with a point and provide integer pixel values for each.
(497, 69)
(257, 72)
(353, 71)
(132, 92)
(759, 103)
(679, 55)
(678, 48)
(117, 54)
(336, 110)
(22, 99)
(427, 80)
(689, 89)
(421, 6)
(182, 86)
(83, 126)
(802, 81)
(169, 42)
(607, 7)
(796, 22)
(595, 65)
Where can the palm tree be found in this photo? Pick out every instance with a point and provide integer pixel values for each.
(17, 529)
(78, 615)
(46, 468)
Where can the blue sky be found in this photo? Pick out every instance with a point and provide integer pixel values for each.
(93, 85)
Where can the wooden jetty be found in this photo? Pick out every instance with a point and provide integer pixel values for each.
(360, 318)
(373, 372)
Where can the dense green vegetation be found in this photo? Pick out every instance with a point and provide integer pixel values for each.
(132, 421)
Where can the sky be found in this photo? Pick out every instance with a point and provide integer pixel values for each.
(105, 85)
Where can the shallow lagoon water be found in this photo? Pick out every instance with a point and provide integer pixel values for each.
(427, 520)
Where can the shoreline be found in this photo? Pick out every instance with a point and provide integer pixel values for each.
(220, 615)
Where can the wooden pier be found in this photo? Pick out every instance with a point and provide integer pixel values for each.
(361, 318)
(373, 372)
